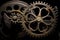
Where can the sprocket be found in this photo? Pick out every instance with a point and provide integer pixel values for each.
(40, 19)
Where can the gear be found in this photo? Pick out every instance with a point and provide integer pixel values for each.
(12, 12)
(16, 16)
(40, 19)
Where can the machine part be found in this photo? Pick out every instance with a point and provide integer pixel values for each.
(12, 13)
(40, 19)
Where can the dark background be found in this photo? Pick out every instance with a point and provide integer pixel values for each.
(55, 35)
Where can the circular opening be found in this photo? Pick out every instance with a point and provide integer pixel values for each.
(36, 11)
(16, 7)
(33, 25)
(8, 8)
(42, 26)
(22, 9)
(30, 17)
(47, 18)
(44, 12)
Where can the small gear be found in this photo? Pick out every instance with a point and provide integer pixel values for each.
(40, 19)
(16, 16)
(12, 13)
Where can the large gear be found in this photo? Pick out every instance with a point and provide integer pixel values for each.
(12, 12)
(41, 22)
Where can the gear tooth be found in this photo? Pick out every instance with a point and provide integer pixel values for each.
(30, 3)
(51, 6)
(44, 2)
(56, 8)
(33, 2)
(47, 3)
(38, 1)
(56, 13)
(41, 2)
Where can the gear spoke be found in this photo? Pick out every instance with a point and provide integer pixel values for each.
(39, 12)
(48, 22)
(33, 21)
(38, 26)
(45, 16)
(33, 14)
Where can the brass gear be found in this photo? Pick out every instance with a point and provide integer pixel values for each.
(31, 17)
(16, 16)
(13, 9)
(13, 12)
